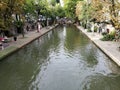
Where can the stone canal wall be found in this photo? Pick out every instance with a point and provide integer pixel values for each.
(110, 48)
(22, 41)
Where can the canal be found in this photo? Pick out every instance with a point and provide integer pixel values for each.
(63, 59)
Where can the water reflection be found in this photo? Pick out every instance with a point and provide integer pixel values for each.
(101, 82)
(63, 59)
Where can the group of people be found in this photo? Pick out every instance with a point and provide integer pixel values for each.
(107, 29)
(102, 27)
(3, 40)
(39, 26)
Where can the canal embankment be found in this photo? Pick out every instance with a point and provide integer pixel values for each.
(22, 41)
(110, 48)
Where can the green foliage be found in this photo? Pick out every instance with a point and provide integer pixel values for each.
(30, 8)
(89, 30)
(104, 33)
(53, 2)
(2, 25)
(84, 11)
(70, 9)
(5, 23)
(108, 37)
(60, 11)
(113, 32)
(7, 9)
(95, 29)
(19, 24)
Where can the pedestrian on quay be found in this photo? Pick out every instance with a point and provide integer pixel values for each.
(38, 27)
(27, 28)
(15, 37)
(100, 29)
(92, 28)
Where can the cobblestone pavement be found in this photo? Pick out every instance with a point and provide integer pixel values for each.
(110, 48)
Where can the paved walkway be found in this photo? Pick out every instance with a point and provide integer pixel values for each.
(110, 48)
(22, 41)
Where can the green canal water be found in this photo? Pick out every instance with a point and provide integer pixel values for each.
(63, 59)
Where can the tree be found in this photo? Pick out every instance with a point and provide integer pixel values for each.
(115, 13)
(70, 9)
(8, 8)
(3, 7)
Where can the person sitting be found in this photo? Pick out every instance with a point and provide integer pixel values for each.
(6, 39)
(1, 39)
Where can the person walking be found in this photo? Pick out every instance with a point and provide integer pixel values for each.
(92, 28)
(100, 29)
(15, 37)
(38, 27)
(27, 28)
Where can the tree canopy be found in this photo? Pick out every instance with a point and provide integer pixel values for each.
(86, 10)
(7, 9)
(16, 10)
(99, 10)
